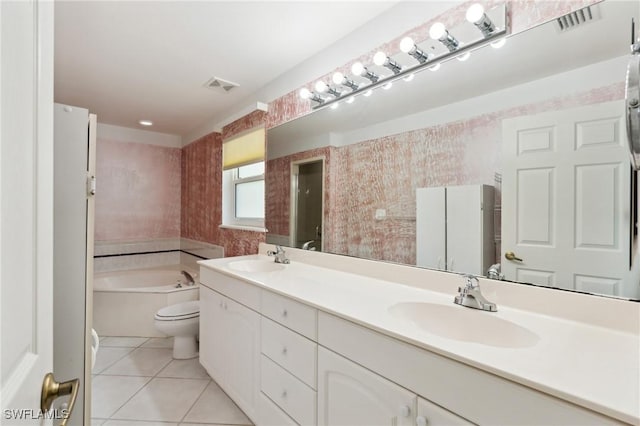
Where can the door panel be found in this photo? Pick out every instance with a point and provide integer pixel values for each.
(566, 198)
(26, 185)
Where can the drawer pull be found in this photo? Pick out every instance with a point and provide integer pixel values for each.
(284, 350)
(421, 421)
(405, 411)
(284, 313)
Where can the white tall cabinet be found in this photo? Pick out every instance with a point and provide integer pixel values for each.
(454, 228)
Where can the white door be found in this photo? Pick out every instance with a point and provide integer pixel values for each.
(351, 395)
(566, 198)
(26, 206)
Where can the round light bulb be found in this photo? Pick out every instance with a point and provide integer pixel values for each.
(350, 99)
(464, 56)
(334, 105)
(380, 58)
(407, 45)
(437, 31)
(357, 68)
(498, 44)
(338, 78)
(367, 93)
(475, 13)
(436, 67)
(321, 86)
(409, 77)
(305, 93)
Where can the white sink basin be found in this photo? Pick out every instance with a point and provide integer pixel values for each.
(465, 324)
(255, 265)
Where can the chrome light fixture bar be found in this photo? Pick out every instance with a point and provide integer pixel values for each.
(381, 59)
(408, 46)
(339, 78)
(362, 71)
(323, 87)
(439, 32)
(476, 15)
(494, 21)
(312, 96)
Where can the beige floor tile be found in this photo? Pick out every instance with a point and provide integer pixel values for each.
(184, 369)
(162, 399)
(122, 342)
(159, 342)
(214, 406)
(108, 356)
(137, 423)
(141, 362)
(109, 393)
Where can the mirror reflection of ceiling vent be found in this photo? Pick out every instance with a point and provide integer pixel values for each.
(220, 85)
(578, 18)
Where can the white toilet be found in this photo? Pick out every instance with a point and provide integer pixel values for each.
(182, 321)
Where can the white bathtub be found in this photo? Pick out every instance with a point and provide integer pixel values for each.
(125, 302)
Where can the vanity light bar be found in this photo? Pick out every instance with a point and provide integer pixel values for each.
(492, 24)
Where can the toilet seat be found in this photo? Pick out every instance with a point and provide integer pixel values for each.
(179, 311)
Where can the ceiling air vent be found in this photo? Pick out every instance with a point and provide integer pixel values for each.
(577, 18)
(220, 85)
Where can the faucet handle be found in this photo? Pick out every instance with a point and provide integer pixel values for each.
(470, 281)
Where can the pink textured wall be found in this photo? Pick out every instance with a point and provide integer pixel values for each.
(138, 191)
(202, 191)
(384, 173)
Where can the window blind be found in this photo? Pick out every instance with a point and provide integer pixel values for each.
(245, 149)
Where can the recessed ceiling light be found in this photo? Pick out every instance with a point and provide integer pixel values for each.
(146, 122)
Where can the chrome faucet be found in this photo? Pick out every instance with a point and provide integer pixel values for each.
(494, 272)
(471, 297)
(188, 277)
(307, 245)
(279, 254)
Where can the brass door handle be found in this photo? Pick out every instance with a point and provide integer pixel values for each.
(51, 390)
(512, 256)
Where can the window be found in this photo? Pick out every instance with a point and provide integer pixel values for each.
(243, 180)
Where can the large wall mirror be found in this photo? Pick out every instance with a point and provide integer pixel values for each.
(512, 164)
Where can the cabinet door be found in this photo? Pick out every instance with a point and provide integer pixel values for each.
(430, 228)
(243, 356)
(430, 414)
(213, 338)
(351, 395)
(464, 229)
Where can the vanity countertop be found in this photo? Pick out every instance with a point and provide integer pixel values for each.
(589, 365)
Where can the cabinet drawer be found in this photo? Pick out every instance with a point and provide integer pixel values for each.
(247, 294)
(294, 353)
(289, 393)
(294, 315)
(269, 414)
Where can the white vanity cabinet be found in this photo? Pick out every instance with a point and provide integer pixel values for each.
(230, 338)
(289, 360)
(352, 395)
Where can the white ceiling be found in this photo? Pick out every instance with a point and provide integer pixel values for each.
(127, 61)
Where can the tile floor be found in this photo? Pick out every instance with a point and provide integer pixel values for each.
(137, 383)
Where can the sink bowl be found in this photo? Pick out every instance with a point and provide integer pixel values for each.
(465, 324)
(255, 265)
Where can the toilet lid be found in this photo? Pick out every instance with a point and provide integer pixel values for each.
(178, 311)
